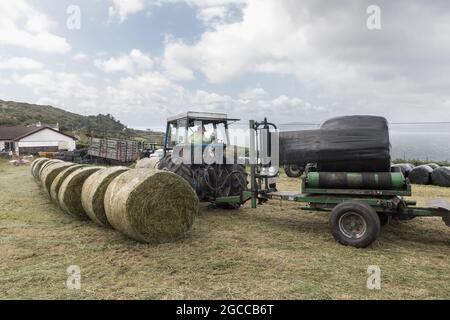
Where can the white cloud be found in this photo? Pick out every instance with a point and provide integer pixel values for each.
(121, 9)
(209, 11)
(19, 63)
(63, 87)
(327, 47)
(155, 97)
(80, 56)
(23, 26)
(46, 101)
(253, 94)
(130, 63)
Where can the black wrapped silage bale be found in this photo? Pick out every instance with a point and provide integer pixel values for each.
(404, 168)
(344, 144)
(441, 177)
(420, 175)
(433, 165)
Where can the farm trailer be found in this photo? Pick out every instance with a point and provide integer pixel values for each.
(113, 150)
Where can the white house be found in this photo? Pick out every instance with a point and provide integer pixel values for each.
(31, 140)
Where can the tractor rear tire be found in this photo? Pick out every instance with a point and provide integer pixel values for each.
(180, 169)
(355, 223)
(239, 184)
(293, 171)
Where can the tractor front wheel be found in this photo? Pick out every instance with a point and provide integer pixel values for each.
(355, 223)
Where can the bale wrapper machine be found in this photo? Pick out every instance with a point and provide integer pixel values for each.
(358, 203)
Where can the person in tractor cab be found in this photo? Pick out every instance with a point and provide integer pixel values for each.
(198, 137)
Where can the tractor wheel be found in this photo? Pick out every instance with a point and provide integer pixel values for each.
(180, 169)
(238, 183)
(355, 223)
(293, 171)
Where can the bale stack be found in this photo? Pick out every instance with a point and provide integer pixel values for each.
(147, 163)
(69, 194)
(50, 172)
(58, 181)
(45, 165)
(145, 204)
(93, 193)
(150, 205)
(36, 167)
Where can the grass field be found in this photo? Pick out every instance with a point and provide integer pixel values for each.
(273, 252)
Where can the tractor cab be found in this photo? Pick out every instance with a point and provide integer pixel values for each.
(195, 148)
(197, 128)
(193, 132)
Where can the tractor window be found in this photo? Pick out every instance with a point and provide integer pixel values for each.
(177, 133)
(221, 136)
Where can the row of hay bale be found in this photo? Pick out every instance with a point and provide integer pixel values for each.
(426, 174)
(147, 205)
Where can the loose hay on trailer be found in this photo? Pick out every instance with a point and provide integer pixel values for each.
(93, 193)
(151, 206)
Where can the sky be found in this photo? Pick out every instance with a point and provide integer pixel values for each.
(289, 60)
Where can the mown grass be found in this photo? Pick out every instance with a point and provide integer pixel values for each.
(275, 251)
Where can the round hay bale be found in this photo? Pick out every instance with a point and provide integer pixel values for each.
(93, 193)
(57, 182)
(441, 177)
(69, 195)
(37, 164)
(33, 164)
(45, 165)
(147, 163)
(420, 175)
(50, 172)
(151, 206)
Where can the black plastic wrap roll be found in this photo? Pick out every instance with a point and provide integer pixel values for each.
(346, 144)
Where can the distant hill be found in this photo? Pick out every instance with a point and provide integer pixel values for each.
(17, 113)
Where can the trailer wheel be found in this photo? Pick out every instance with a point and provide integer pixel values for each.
(355, 223)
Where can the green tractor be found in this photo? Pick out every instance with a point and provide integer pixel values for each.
(197, 147)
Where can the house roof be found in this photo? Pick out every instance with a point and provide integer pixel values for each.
(11, 133)
(17, 132)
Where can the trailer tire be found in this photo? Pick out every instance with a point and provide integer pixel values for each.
(355, 223)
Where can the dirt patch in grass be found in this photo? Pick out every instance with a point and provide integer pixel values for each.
(276, 251)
